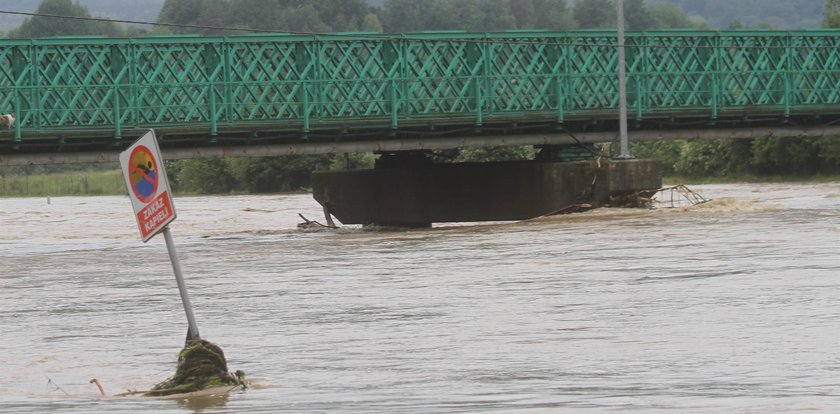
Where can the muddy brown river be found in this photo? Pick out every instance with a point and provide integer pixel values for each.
(731, 306)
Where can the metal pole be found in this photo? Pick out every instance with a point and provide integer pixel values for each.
(176, 266)
(622, 81)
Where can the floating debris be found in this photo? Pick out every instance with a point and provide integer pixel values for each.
(635, 199)
(98, 385)
(56, 386)
(201, 365)
(311, 225)
(676, 197)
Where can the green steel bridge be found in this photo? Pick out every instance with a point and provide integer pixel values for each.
(83, 99)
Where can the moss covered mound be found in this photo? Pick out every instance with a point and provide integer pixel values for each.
(201, 365)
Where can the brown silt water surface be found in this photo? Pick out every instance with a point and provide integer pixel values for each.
(730, 306)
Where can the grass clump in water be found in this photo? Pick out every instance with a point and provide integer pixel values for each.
(201, 365)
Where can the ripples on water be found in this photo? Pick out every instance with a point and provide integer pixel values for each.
(728, 307)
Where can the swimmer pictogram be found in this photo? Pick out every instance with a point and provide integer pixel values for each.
(143, 174)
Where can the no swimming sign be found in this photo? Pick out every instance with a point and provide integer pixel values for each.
(147, 185)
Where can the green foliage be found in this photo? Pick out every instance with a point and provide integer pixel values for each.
(638, 15)
(759, 157)
(278, 15)
(352, 161)
(542, 14)
(786, 155)
(667, 152)
(371, 23)
(486, 154)
(207, 176)
(274, 174)
(475, 15)
(37, 27)
(595, 14)
(831, 14)
(715, 158)
(247, 175)
(829, 154)
(669, 16)
(182, 12)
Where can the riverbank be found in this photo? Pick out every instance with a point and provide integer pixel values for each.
(110, 182)
(71, 183)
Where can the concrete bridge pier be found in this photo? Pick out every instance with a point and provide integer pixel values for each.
(410, 191)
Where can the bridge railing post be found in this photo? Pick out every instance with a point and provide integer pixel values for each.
(118, 65)
(788, 73)
(133, 91)
(392, 66)
(639, 75)
(303, 65)
(305, 102)
(19, 123)
(490, 80)
(117, 112)
(227, 101)
(554, 77)
(394, 103)
(212, 66)
(716, 74)
(19, 66)
(35, 106)
(477, 61)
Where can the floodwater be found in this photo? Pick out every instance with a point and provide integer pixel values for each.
(731, 306)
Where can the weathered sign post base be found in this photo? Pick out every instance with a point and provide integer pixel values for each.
(418, 194)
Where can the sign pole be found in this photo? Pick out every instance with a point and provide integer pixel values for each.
(182, 287)
(148, 189)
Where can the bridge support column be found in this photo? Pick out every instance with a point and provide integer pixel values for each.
(417, 194)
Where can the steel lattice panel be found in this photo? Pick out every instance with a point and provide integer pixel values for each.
(96, 88)
(523, 74)
(815, 79)
(675, 73)
(267, 83)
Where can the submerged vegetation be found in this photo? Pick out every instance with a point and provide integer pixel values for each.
(201, 365)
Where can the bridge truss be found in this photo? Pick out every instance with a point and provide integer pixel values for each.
(91, 94)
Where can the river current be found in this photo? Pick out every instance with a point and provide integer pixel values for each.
(729, 306)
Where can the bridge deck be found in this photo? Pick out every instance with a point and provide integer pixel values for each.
(74, 94)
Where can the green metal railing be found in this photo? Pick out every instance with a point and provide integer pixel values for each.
(86, 88)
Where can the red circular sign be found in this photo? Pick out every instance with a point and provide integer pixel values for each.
(143, 174)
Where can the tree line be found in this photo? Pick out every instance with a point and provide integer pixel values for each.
(393, 16)
(771, 14)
